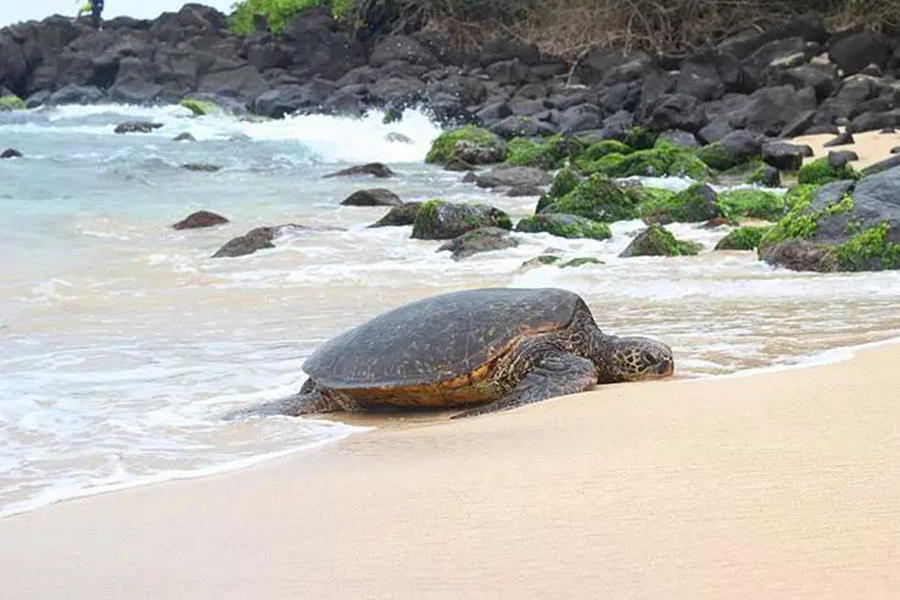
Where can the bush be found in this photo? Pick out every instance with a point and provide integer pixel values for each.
(278, 13)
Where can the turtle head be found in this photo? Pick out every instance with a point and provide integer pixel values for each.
(635, 359)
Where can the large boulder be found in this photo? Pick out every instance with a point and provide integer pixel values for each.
(484, 239)
(854, 52)
(290, 99)
(785, 156)
(440, 220)
(851, 226)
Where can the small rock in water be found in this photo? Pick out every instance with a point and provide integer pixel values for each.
(10, 153)
(252, 241)
(379, 170)
(470, 177)
(199, 219)
(201, 167)
(514, 177)
(137, 127)
(895, 150)
(480, 240)
(372, 197)
(404, 214)
(840, 158)
(800, 255)
(184, 137)
(581, 261)
(887, 130)
(398, 138)
(842, 139)
(720, 222)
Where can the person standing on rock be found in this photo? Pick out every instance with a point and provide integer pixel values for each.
(95, 7)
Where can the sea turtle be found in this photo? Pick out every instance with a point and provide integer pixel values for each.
(494, 349)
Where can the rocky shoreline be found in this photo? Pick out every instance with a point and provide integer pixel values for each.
(724, 115)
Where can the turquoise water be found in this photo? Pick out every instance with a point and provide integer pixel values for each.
(124, 343)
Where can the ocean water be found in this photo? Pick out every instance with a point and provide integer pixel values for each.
(123, 342)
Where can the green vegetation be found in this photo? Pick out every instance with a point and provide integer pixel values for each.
(869, 250)
(799, 195)
(11, 102)
(587, 162)
(819, 171)
(756, 204)
(546, 154)
(640, 139)
(743, 238)
(596, 198)
(802, 220)
(439, 219)
(200, 107)
(476, 141)
(279, 13)
(566, 226)
(664, 158)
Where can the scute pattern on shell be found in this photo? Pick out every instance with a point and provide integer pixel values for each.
(438, 339)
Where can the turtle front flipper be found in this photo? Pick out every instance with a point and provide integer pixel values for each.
(552, 375)
(308, 401)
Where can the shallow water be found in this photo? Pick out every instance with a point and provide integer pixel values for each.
(123, 342)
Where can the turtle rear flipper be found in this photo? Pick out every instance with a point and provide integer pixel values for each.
(308, 401)
(553, 375)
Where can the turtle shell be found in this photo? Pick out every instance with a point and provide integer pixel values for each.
(439, 338)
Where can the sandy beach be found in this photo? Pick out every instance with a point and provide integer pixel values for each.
(870, 146)
(776, 485)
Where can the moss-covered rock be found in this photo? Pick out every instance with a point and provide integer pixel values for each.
(657, 241)
(441, 220)
(802, 221)
(580, 261)
(640, 138)
(596, 198)
(469, 144)
(742, 238)
(869, 250)
(799, 194)
(756, 204)
(550, 153)
(696, 204)
(541, 260)
(587, 161)
(820, 171)
(11, 102)
(567, 226)
(664, 159)
(200, 107)
(404, 214)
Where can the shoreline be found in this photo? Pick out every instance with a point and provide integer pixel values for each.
(361, 423)
(708, 488)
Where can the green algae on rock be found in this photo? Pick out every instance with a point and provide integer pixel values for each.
(820, 171)
(200, 107)
(566, 226)
(550, 153)
(441, 220)
(757, 204)
(11, 102)
(742, 238)
(597, 198)
(468, 144)
(580, 261)
(658, 241)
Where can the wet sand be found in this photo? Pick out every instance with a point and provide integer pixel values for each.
(776, 485)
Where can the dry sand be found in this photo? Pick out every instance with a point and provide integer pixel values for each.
(779, 485)
(870, 146)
